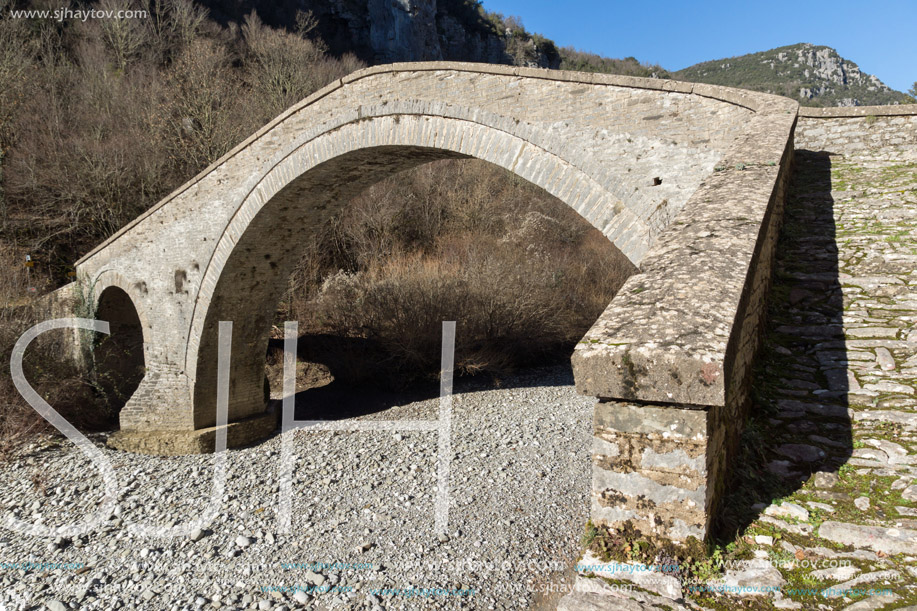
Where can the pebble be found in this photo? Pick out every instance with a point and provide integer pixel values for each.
(301, 597)
(378, 499)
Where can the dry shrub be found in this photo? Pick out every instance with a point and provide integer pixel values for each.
(101, 119)
(202, 113)
(58, 381)
(522, 275)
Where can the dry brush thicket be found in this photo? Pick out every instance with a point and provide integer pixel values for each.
(523, 275)
(101, 119)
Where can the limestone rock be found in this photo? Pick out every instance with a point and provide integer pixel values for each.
(788, 510)
(842, 589)
(839, 573)
(887, 540)
(756, 577)
(825, 479)
(657, 581)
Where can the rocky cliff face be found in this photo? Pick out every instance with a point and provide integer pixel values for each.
(836, 74)
(403, 30)
(815, 75)
(383, 31)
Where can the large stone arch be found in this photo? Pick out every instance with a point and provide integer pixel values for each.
(247, 274)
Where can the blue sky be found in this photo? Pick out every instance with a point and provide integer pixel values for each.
(879, 36)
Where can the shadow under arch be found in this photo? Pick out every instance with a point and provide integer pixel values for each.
(118, 358)
(247, 276)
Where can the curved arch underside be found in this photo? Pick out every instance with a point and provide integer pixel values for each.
(253, 277)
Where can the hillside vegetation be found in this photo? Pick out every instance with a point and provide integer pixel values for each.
(814, 75)
(572, 59)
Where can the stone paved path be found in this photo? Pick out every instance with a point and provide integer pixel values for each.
(834, 507)
(827, 512)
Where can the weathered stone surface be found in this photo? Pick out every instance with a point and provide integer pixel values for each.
(839, 573)
(885, 359)
(757, 577)
(596, 595)
(877, 601)
(826, 479)
(887, 540)
(842, 589)
(650, 467)
(788, 510)
(662, 583)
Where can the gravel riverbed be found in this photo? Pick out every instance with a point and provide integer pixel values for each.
(362, 532)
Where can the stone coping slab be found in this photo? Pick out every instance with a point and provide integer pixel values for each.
(894, 110)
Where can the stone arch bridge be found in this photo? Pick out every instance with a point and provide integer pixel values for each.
(685, 179)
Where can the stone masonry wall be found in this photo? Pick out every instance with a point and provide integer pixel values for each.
(880, 132)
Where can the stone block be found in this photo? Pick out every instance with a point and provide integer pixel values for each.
(650, 468)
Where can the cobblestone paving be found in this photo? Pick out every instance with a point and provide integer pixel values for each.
(830, 493)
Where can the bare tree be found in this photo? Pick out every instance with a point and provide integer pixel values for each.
(123, 37)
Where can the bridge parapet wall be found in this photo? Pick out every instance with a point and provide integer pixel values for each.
(878, 132)
(675, 346)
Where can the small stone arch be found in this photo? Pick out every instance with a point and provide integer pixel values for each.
(118, 359)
